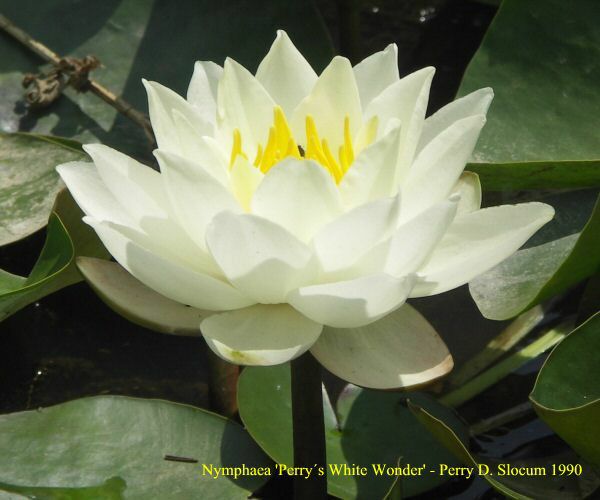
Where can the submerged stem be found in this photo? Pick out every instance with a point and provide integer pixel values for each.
(309, 428)
(223, 377)
(500, 370)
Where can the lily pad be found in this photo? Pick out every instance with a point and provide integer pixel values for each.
(535, 481)
(554, 265)
(29, 182)
(109, 439)
(111, 489)
(537, 175)
(134, 39)
(67, 237)
(566, 394)
(542, 59)
(368, 427)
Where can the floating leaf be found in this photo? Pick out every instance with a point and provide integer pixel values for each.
(566, 394)
(531, 484)
(134, 39)
(540, 134)
(538, 273)
(372, 427)
(111, 489)
(540, 57)
(67, 236)
(537, 174)
(29, 182)
(88, 441)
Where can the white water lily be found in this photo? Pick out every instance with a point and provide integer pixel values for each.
(300, 211)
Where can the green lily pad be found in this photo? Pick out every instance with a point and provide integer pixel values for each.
(566, 394)
(29, 182)
(563, 258)
(535, 480)
(537, 175)
(521, 479)
(541, 58)
(67, 236)
(368, 427)
(89, 441)
(111, 489)
(134, 39)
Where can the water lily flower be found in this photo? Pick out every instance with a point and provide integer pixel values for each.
(299, 211)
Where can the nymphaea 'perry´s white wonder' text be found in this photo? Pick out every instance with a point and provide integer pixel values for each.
(299, 211)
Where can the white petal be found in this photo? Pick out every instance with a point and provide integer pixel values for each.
(140, 190)
(260, 258)
(243, 103)
(299, 195)
(476, 242)
(342, 242)
(142, 214)
(354, 303)
(162, 101)
(138, 303)
(137, 187)
(438, 167)
(475, 103)
(412, 243)
(333, 97)
(468, 188)
(195, 194)
(373, 174)
(400, 350)
(261, 335)
(285, 74)
(244, 179)
(202, 91)
(199, 149)
(169, 278)
(375, 73)
(406, 100)
(91, 194)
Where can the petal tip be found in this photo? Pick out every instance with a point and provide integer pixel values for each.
(549, 211)
(93, 148)
(392, 47)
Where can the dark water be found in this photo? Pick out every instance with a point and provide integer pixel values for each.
(71, 345)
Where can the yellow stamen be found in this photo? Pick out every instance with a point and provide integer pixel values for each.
(344, 163)
(237, 146)
(269, 155)
(282, 130)
(348, 149)
(281, 144)
(292, 149)
(314, 150)
(259, 154)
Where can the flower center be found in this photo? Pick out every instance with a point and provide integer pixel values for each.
(281, 144)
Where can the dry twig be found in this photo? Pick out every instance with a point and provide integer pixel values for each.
(68, 71)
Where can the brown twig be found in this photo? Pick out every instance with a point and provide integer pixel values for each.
(75, 75)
